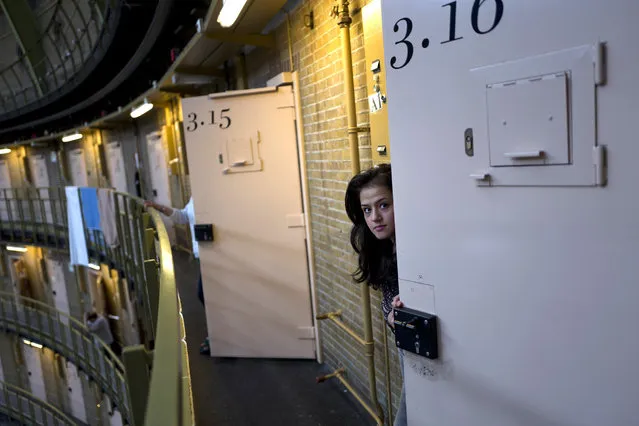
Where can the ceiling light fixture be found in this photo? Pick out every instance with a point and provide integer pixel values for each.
(33, 344)
(231, 9)
(142, 109)
(72, 137)
(5, 151)
(18, 249)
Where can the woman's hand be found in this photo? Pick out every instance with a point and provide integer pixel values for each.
(396, 303)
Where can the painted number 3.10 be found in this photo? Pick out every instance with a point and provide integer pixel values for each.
(407, 28)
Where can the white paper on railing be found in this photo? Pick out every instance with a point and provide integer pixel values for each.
(190, 210)
(77, 239)
(184, 216)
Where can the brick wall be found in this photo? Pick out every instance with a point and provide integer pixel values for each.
(318, 58)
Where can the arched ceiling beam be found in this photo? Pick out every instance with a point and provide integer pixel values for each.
(27, 32)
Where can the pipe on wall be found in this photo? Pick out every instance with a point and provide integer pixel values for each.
(339, 374)
(344, 21)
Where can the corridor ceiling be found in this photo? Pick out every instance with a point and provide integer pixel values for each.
(131, 50)
(68, 61)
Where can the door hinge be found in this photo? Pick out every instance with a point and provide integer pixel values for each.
(306, 333)
(599, 57)
(599, 161)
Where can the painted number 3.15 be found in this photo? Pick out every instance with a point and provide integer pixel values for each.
(407, 28)
(194, 124)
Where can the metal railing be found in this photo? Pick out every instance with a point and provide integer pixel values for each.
(29, 410)
(153, 379)
(71, 30)
(42, 324)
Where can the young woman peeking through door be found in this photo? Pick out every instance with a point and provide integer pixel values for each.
(369, 205)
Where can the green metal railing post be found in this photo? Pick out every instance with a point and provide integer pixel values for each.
(136, 360)
(152, 274)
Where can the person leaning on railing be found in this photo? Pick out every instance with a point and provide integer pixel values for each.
(182, 217)
(99, 326)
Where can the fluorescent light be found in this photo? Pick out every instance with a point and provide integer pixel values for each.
(230, 11)
(142, 109)
(30, 343)
(93, 266)
(5, 150)
(18, 249)
(72, 137)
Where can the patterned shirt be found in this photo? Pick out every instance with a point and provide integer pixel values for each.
(390, 289)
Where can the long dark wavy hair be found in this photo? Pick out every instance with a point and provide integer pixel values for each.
(376, 259)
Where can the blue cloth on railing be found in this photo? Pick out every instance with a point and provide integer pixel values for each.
(90, 209)
(77, 240)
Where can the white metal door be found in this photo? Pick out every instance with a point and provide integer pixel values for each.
(245, 181)
(158, 168)
(78, 168)
(40, 177)
(76, 393)
(115, 165)
(115, 418)
(5, 183)
(1, 371)
(33, 363)
(58, 286)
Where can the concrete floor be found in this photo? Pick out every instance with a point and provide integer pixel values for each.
(257, 392)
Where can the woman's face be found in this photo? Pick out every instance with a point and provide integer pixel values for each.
(377, 205)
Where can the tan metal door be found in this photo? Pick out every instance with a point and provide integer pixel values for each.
(76, 393)
(78, 167)
(158, 168)
(40, 178)
(5, 183)
(115, 164)
(58, 286)
(33, 363)
(245, 180)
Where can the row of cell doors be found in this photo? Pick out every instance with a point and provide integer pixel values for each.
(77, 162)
(32, 356)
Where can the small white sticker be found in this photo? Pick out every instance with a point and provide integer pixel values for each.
(375, 102)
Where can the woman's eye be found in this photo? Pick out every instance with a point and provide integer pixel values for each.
(366, 210)
(383, 206)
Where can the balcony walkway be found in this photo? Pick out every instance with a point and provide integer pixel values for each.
(245, 392)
